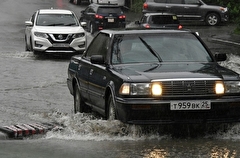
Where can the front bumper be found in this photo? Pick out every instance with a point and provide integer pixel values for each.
(142, 111)
(45, 46)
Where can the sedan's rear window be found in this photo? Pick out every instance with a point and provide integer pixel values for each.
(179, 47)
(166, 19)
(113, 10)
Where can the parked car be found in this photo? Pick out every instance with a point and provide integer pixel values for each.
(159, 21)
(54, 31)
(189, 10)
(157, 76)
(118, 2)
(102, 16)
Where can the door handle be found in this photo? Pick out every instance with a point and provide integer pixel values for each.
(91, 72)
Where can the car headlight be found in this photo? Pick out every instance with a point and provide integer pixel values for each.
(40, 34)
(232, 86)
(223, 9)
(154, 89)
(219, 88)
(78, 35)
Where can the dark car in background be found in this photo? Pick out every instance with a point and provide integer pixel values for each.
(157, 76)
(101, 16)
(159, 21)
(189, 10)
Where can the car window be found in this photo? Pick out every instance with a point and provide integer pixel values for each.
(33, 17)
(168, 47)
(166, 19)
(160, 1)
(56, 20)
(191, 2)
(99, 46)
(174, 1)
(105, 10)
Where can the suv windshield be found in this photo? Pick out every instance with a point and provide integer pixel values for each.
(56, 20)
(169, 48)
(107, 10)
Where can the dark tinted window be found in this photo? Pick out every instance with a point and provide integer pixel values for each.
(166, 19)
(105, 10)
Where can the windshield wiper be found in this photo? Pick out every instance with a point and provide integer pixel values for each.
(151, 50)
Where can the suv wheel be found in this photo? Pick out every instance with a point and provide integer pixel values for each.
(111, 112)
(212, 19)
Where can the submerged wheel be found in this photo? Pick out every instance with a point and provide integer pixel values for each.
(78, 103)
(212, 19)
(111, 112)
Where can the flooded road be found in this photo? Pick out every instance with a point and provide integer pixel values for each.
(34, 89)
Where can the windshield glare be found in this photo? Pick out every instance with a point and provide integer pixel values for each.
(56, 20)
(169, 48)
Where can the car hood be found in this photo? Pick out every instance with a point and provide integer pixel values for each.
(58, 29)
(181, 71)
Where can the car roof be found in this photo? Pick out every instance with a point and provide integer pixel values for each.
(54, 11)
(143, 31)
(103, 5)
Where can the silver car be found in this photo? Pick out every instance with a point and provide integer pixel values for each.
(54, 31)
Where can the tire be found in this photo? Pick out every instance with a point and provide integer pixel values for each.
(78, 103)
(91, 29)
(79, 2)
(111, 112)
(26, 46)
(212, 19)
(70, 1)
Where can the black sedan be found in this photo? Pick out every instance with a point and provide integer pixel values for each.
(154, 77)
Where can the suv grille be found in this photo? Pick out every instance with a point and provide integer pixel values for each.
(172, 88)
(60, 38)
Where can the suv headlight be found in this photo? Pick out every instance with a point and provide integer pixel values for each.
(40, 34)
(223, 9)
(154, 89)
(78, 35)
(232, 86)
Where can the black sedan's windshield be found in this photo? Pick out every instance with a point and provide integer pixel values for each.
(169, 48)
(56, 20)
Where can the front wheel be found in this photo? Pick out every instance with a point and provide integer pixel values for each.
(78, 102)
(111, 112)
(212, 19)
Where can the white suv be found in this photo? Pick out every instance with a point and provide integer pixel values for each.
(54, 31)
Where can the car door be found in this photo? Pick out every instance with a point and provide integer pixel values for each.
(29, 29)
(98, 72)
(192, 9)
(88, 15)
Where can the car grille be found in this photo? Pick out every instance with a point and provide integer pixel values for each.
(173, 88)
(60, 38)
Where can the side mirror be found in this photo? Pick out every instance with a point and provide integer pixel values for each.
(83, 24)
(97, 59)
(28, 23)
(220, 57)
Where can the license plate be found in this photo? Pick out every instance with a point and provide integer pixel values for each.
(190, 105)
(110, 20)
(60, 45)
